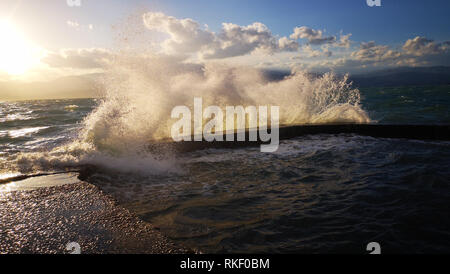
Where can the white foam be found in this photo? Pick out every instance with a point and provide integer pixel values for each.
(140, 91)
(140, 94)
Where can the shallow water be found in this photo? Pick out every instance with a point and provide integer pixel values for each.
(317, 194)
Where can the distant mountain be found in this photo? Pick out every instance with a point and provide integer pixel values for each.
(85, 86)
(403, 76)
(276, 75)
(62, 88)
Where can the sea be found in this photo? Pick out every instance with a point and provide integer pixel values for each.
(325, 193)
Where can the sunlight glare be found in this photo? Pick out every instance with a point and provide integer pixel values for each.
(17, 55)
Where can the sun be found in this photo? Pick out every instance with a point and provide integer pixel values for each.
(17, 55)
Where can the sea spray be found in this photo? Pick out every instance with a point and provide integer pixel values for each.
(140, 88)
(141, 93)
(78, 156)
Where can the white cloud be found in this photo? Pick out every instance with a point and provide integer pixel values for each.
(420, 46)
(344, 41)
(285, 43)
(79, 58)
(371, 52)
(314, 37)
(317, 38)
(235, 40)
(188, 40)
(187, 36)
(308, 51)
(418, 51)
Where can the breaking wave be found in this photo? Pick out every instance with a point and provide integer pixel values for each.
(141, 93)
(141, 89)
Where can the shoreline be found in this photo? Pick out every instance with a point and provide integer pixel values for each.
(44, 220)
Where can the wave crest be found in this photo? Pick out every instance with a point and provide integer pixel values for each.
(140, 94)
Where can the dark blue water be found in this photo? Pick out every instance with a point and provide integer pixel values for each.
(408, 105)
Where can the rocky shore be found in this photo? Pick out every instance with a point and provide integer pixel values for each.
(46, 219)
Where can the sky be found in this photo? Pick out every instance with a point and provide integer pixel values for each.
(393, 22)
(45, 40)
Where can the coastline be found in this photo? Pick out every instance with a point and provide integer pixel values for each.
(44, 220)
